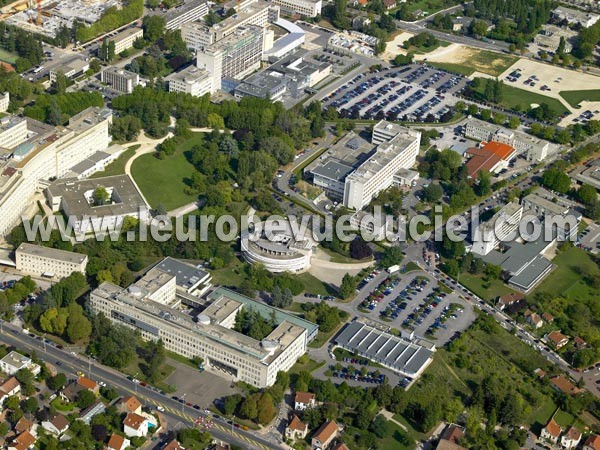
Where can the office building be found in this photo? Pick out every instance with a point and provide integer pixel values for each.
(14, 361)
(491, 157)
(589, 174)
(295, 37)
(4, 101)
(191, 80)
(308, 8)
(235, 56)
(550, 36)
(377, 172)
(210, 334)
(291, 75)
(124, 40)
(38, 261)
(50, 153)
(13, 131)
(189, 11)
(120, 79)
(75, 198)
(575, 16)
(534, 149)
(499, 228)
(70, 69)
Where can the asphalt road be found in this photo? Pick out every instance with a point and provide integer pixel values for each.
(175, 412)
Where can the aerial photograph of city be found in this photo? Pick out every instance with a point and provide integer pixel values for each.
(300, 224)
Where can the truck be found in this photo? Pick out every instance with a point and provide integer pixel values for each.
(393, 269)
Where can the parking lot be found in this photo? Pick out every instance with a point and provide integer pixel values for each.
(415, 92)
(414, 303)
(589, 239)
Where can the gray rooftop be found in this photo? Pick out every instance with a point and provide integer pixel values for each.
(392, 351)
(190, 74)
(186, 275)
(333, 170)
(53, 253)
(125, 34)
(174, 13)
(532, 273)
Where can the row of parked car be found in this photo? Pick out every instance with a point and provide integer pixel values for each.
(358, 375)
(384, 289)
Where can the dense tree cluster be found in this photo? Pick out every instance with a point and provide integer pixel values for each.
(113, 18)
(323, 314)
(586, 41)
(422, 40)
(27, 46)
(12, 295)
(57, 109)
(113, 345)
(251, 323)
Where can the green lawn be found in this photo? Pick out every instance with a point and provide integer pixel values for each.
(117, 167)
(484, 61)
(313, 285)
(7, 56)
(482, 288)
(430, 6)
(566, 279)
(306, 364)
(520, 99)
(574, 98)
(173, 172)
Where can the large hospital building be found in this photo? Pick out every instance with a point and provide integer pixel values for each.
(161, 306)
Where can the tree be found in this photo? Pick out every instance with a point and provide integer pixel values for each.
(348, 286)
(392, 255)
(359, 249)
(61, 82)
(215, 121)
(266, 409)
(433, 193)
(56, 382)
(154, 28)
(100, 196)
(95, 65)
(493, 271)
(78, 327)
(478, 28)
(249, 408)
(231, 403)
(85, 398)
(30, 405)
(556, 180)
(514, 122)
(587, 194)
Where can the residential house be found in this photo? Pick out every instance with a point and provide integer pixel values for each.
(533, 319)
(25, 425)
(117, 442)
(540, 373)
(340, 446)
(11, 387)
(71, 391)
(135, 425)
(174, 445)
(89, 384)
(93, 410)
(579, 343)
(551, 432)
(14, 361)
(509, 300)
(562, 384)
(449, 440)
(23, 441)
(592, 442)
(296, 429)
(549, 318)
(389, 4)
(571, 438)
(56, 425)
(304, 400)
(557, 339)
(325, 435)
(130, 405)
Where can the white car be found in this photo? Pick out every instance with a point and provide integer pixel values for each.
(101, 383)
(160, 408)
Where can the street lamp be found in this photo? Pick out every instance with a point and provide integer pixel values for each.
(133, 380)
(44, 341)
(183, 402)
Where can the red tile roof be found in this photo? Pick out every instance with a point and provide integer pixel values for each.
(326, 431)
(511, 297)
(174, 445)
(116, 442)
(9, 385)
(296, 424)
(553, 428)
(133, 420)
(504, 151)
(340, 446)
(304, 397)
(131, 403)
(574, 434)
(87, 383)
(564, 385)
(593, 441)
(557, 337)
(452, 433)
(480, 160)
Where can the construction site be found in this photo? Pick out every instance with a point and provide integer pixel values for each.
(47, 17)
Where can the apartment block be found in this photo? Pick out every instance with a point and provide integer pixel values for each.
(38, 261)
(70, 69)
(4, 101)
(125, 39)
(500, 227)
(187, 12)
(308, 8)
(13, 131)
(120, 79)
(191, 80)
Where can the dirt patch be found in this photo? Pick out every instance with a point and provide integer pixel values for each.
(394, 47)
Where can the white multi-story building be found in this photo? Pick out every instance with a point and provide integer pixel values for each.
(70, 69)
(4, 101)
(188, 12)
(575, 16)
(496, 230)
(235, 56)
(13, 131)
(377, 172)
(14, 361)
(210, 334)
(535, 149)
(51, 157)
(37, 260)
(120, 79)
(125, 39)
(191, 80)
(308, 8)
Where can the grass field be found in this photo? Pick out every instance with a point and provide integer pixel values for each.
(520, 99)
(574, 98)
(483, 61)
(313, 285)
(567, 277)
(482, 288)
(173, 172)
(117, 167)
(430, 6)
(7, 56)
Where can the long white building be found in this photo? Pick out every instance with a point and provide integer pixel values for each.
(501, 226)
(210, 334)
(50, 156)
(191, 80)
(308, 8)
(37, 260)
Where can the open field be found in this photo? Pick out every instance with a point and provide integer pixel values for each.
(521, 99)
(486, 290)
(576, 97)
(7, 56)
(173, 172)
(466, 61)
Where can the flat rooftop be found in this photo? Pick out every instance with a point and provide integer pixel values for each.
(333, 170)
(186, 275)
(73, 192)
(401, 355)
(16, 359)
(221, 308)
(127, 33)
(351, 150)
(174, 13)
(239, 17)
(190, 75)
(53, 253)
